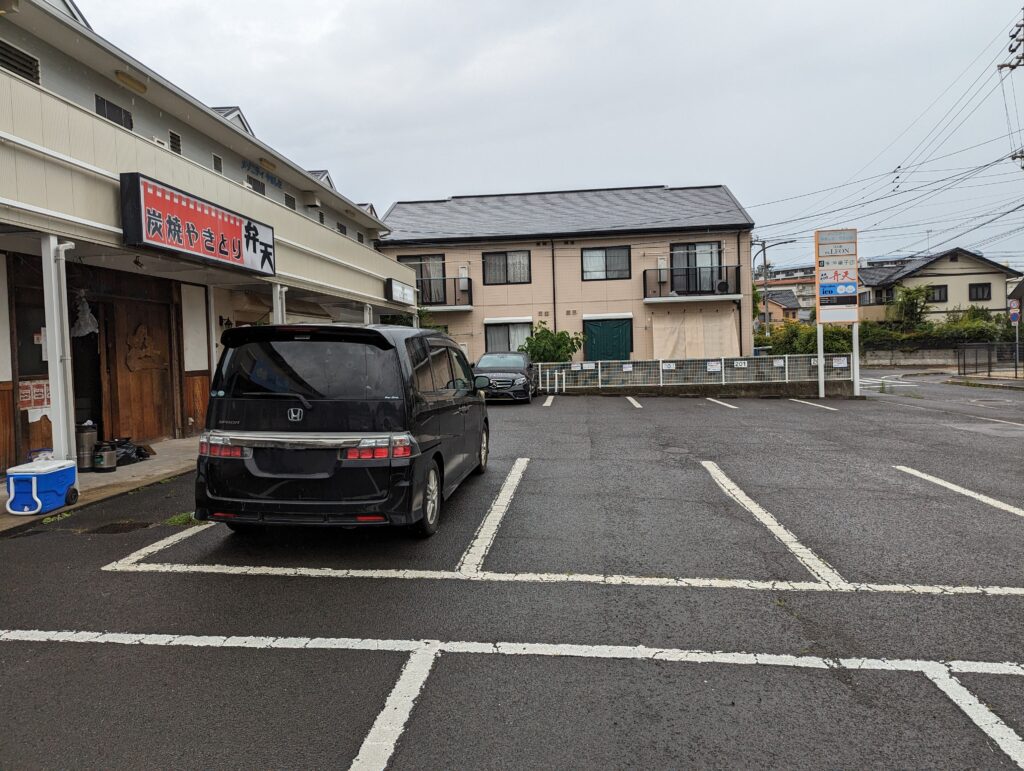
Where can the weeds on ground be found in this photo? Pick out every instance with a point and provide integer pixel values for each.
(180, 520)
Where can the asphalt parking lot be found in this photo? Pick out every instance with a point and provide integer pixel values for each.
(650, 583)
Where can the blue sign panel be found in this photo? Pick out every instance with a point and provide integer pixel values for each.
(833, 290)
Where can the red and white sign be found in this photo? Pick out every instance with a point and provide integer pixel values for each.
(159, 216)
(33, 394)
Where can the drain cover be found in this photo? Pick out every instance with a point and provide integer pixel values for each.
(119, 527)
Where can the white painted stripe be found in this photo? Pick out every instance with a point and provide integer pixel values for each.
(153, 548)
(379, 744)
(997, 504)
(813, 404)
(1005, 737)
(473, 559)
(547, 402)
(634, 402)
(996, 420)
(730, 406)
(433, 647)
(815, 564)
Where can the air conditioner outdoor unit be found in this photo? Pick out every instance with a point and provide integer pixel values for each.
(722, 287)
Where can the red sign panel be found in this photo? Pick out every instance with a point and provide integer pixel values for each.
(159, 216)
(33, 394)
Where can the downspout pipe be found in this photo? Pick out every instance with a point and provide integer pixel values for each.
(554, 293)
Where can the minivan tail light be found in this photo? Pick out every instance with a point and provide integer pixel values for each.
(380, 448)
(217, 447)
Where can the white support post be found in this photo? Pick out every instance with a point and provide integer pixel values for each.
(786, 365)
(821, 361)
(855, 370)
(58, 348)
(661, 372)
(416, 320)
(367, 314)
(211, 330)
(599, 374)
(723, 370)
(279, 314)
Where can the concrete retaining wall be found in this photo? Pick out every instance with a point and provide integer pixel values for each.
(926, 357)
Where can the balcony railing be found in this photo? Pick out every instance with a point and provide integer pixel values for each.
(686, 283)
(454, 293)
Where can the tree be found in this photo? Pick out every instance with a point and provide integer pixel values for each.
(908, 309)
(547, 346)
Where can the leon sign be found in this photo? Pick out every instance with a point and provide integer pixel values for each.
(835, 275)
(158, 216)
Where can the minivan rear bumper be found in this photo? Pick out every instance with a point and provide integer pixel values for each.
(397, 508)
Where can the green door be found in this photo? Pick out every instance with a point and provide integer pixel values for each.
(608, 339)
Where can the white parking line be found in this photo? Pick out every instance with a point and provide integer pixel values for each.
(133, 564)
(634, 402)
(815, 564)
(730, 406)
(379, 744)
(813, 404)
(473, 558)
(962, 490)
(547, 402)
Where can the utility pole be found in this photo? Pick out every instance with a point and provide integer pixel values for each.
(765, 246)
(1016, 49)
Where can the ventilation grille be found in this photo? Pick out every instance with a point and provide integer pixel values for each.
(19, 62)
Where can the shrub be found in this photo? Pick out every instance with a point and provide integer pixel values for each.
(547, 346)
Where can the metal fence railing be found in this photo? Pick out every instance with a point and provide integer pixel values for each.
(989, 359)
(565, 376)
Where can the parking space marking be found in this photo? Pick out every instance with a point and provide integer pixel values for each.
(815, 564)
(813, 404)
(379, 744)
(962, 490)
(473, 558)
(547, 402)
(730, 406)
(1008, 740)
(634, 402)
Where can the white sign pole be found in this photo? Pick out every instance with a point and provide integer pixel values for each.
(856, 358)
(821, 360)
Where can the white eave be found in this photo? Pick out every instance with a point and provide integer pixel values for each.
(82, 44)
(693, 298)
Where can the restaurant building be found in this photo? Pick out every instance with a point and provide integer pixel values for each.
(135, 225)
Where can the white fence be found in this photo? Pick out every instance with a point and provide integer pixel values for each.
(560, 377)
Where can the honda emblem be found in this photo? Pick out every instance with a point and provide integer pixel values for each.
(295, 414)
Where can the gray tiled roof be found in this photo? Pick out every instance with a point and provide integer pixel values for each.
(569, 212)
(784, 297)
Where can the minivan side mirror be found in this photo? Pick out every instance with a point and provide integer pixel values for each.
(481, 382)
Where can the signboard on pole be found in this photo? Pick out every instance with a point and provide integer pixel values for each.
(1014, 306)
(835, 275)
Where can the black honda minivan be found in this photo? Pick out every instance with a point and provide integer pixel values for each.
(339, 425)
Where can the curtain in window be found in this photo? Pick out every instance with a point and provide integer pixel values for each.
(517, 334)
(617, 262)
(593, 264)
(496, 337)
(431, 270)
(494, 268)
(518, 267)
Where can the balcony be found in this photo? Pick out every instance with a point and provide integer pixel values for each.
(717, 282)
(446, 294)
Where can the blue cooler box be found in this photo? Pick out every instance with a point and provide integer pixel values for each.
(41, 486)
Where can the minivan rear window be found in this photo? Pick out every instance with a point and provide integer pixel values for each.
(316, 369)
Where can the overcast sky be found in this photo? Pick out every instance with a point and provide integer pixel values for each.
(407, 100)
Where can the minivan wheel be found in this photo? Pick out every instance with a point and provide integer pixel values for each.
(484, 452)
(427, 525)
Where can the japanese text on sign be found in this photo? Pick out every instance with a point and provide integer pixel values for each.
(160, 216)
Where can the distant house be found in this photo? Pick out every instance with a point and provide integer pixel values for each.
(643, 272)
(782, 306)
(799, 280)
(958, 279)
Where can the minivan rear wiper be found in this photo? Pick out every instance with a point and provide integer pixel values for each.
(290, 394)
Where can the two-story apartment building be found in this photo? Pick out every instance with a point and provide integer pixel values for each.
(797, 279)
(642, 272)
(957, 279)
(136, 223)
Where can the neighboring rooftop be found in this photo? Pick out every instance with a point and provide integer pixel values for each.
(887, 272)
(784, 297)
(566, 213)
